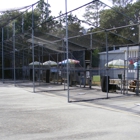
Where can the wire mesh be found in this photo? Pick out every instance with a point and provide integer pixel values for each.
(41, 37)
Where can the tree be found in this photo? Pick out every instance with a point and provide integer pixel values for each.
(6, 21)
(117, 16)
(125, 15)
(121, 3)
(95, 58)
(43, 11)
(92, 13)
(74, 25)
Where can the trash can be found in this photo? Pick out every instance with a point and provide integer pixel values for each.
(82, 80)
(47, 76)
(120, 76)
(104, 83)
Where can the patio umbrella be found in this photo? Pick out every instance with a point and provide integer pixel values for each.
(36, 63)
(119, 63)
(50, 63)
(70, 61)
(136, 64)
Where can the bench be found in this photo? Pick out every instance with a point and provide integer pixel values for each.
(113, 87)
(72, 82)
(132, 87)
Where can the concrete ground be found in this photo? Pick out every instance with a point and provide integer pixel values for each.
(46, 114)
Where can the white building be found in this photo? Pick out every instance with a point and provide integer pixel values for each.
(123, 53)
(130, 51)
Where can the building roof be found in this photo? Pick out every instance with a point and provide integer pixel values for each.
(122, 50)
(132, 48)
(113, 51)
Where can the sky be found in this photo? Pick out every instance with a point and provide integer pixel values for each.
(56, 5)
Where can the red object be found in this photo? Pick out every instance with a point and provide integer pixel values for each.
(131, 61)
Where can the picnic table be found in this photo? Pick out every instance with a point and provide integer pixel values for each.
(133, 85)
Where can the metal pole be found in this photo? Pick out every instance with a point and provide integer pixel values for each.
(84, 80)
(90, 80)
(64, 66)
(137, 83)
(28, 69)
(139, 29)
(67, 51)
(137, 90)
(2, 57)
(39, 63)
(126, 66)
(57, 68)
(14, 51)
(124, 80)
(42, 63)
(23, 68)
(22, 23)
(50, 70)
(33, 49)
(107, 63)
(121, 82)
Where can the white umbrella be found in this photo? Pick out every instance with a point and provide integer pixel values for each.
(119, 63)
(136, 64)
(50, 63)
(70, 61)
(35, 63)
